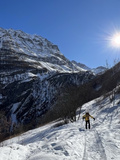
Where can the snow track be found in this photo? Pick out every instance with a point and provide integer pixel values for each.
(85, 155)
(100, 146)
(93, 148)
(70, 141)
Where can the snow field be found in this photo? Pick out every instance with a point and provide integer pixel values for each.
(71, 141)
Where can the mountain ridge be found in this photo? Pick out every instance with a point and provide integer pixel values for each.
(39, 47)
(32, 72)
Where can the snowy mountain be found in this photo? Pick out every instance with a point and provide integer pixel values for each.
(72, 141)
(83, 66)
(96, 71)
(32, 72)
(38, 51)
(99, 70)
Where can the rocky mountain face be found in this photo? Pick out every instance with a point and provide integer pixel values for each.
(32, 72)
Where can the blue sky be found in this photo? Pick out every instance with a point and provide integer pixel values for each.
(79, 27)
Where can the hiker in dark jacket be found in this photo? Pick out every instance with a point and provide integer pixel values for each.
(87, 120)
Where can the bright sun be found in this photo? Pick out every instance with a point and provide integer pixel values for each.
(115, 40)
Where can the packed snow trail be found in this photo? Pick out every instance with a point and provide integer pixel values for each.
(93, 146)
(71, 141)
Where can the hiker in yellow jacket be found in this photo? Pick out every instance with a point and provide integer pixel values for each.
(86, 117)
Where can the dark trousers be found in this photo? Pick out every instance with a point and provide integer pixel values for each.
(87, 124)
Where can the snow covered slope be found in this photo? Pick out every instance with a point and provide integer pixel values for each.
(99, 70)
(36, 50)
(72, 141)
(32, 71)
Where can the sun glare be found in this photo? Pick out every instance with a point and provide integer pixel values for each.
(115, 40)
(112, 39)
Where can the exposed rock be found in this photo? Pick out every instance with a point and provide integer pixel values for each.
(32, 72)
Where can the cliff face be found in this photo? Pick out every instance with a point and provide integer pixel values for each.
(32, 72)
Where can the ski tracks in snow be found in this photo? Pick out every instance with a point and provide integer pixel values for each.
(93, 147)
(85, 156)
(69, 144)
(100, 145)
(72, 143)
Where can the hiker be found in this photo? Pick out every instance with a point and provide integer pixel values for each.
(86, 117)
